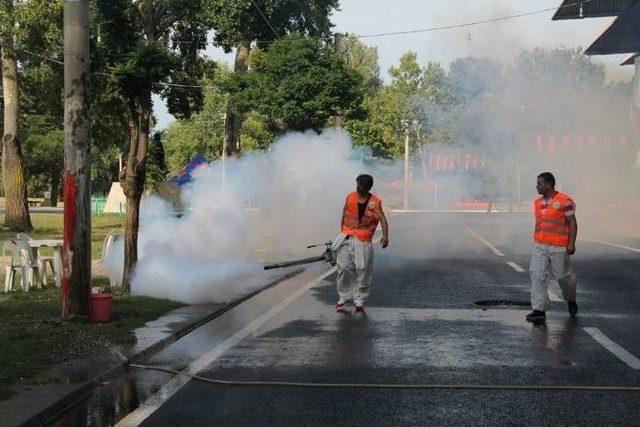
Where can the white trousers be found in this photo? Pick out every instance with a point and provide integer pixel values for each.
(354, 261)
(549, 262)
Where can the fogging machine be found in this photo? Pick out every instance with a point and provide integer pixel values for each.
(328, 255)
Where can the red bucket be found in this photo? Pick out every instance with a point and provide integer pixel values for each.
(101, 308)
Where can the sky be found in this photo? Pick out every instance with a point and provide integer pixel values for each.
(497, 40)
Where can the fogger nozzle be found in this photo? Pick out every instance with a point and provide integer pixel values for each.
(328, 256)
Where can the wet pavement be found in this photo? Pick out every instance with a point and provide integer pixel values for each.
(422, 326)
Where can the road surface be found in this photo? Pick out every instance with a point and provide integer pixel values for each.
(423, 326)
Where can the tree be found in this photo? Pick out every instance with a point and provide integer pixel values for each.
(414, 93)
(298, 84)
(39, 41)
(44, 154)
(203, 132)
(156, 162)
(153, 46)
(364, 59)
(239, 23)
(472, 77)
(16, 216)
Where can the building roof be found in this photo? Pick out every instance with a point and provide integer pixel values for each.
(630, 59)
(622, 36)
(571, 9)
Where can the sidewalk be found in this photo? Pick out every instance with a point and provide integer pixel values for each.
(36, 404)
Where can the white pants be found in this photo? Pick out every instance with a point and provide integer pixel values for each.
(549, 262)
(354, 261)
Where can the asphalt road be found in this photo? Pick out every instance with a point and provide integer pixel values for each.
(422, 325)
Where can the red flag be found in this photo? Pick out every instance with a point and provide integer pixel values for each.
(579, 143)
(552, 145)
(539, 144)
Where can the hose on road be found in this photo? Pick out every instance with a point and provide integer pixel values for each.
(393, 386)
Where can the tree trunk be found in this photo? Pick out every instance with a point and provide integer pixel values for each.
(55, 191)
(16, 214)
(131, 227)
(233, 119)
(132, 181)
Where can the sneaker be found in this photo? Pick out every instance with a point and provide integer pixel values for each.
(536, 316)
(341, 306)
(359, 308)
(573, 308)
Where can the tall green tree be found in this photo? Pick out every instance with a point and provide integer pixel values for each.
(202, 132)
(415, 93)
(39, 39)
(240, 23)
(44, 149)
(152, 47)
(16, 214)
(364, 59)
(472, 77)
(299, 83)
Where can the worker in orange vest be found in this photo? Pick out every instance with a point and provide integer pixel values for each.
(555, 242)
(354, 252)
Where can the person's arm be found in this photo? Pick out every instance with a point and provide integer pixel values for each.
(573, 234)
(343, 211)
(384, 241)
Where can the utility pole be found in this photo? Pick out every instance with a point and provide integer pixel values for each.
(405, 204)
(76, 250)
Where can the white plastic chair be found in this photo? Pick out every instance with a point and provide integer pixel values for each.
(22, 260)
(107, 246)
(41, 261)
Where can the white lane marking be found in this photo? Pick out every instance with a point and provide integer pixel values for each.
(554, 297)
(440, 211)
(614, 348)
(615, 245)
(147, 408)
(484, 241)
(515, 266)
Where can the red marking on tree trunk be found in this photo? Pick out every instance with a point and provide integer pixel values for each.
(67, 239)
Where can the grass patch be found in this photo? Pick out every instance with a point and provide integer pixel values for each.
(34, 338)
(50, 226)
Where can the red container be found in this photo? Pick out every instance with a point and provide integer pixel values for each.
(101, 308)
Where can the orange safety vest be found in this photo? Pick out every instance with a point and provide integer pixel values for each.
(552, 227)
(351, 226)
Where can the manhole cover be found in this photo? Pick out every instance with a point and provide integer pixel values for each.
(497, 302)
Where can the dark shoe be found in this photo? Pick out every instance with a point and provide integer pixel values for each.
(359, 309)
(536, 316)
(573, 308)
(341, 306)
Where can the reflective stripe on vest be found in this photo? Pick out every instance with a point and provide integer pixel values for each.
(552, 227)
(351, 226)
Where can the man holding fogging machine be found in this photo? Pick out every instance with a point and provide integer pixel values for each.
(354, 249)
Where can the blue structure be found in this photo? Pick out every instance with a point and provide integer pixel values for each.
(184, 175)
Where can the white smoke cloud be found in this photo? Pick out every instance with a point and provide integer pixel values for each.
(270, 207)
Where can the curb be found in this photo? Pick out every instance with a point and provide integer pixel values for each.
(48, 414)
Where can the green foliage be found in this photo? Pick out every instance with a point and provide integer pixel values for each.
(156, 165)
(299, 84)
(472, 77)
(203, 132)
(364, 59)
(144, 69)
(239, 20)
(415, 93)
(557, 68)
(255, 133)
(43, 149)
